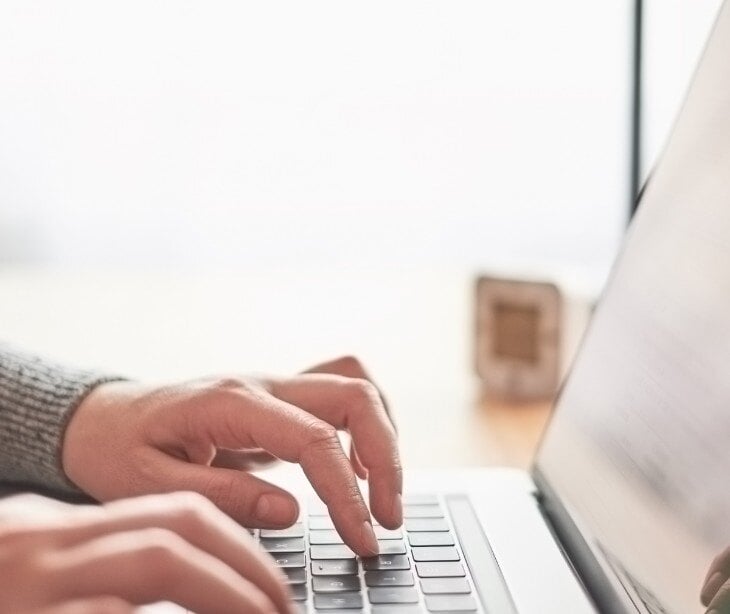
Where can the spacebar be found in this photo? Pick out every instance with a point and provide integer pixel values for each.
(479, 556)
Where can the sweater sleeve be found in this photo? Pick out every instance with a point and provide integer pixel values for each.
(37, 399)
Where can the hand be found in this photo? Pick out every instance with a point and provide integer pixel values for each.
(716, 590)
(128, 439)
(57, 558)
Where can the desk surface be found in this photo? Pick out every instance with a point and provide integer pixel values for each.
(411, 328)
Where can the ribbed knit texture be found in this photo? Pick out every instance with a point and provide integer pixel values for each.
(37, 399)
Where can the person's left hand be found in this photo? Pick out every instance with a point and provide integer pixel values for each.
(127, 439)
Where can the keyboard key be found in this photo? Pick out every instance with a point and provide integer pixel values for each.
(316, 507)
(299, 592)
(422, 511)
(282, 544)
(431, 538)
(296, 575)
(289, 560)
(382, 533)
(331, 552)
(321, 522)
(338, 601)
(296, 530)
(335, 584)
(317, 538)
(397, 594)
(386, 561)
(419, 499)
(440, 570)
(425, 524)
(391, 546)
(389, 578)
(450, 603)
(432, 586)
(435, 553)
(396, 609)
(347, 567)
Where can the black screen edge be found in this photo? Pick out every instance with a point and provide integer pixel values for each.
(606, 595)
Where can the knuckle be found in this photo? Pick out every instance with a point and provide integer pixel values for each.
(363, 393)
(226, 382)
(158, 558)
(322, 435)
(350, 363)
(191, 509)
(159, 548)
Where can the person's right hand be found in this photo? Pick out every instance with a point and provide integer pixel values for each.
(57, 558)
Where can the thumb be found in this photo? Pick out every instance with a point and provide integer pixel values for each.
(250, 501)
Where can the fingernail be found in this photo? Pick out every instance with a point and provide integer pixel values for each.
(275, 509)
(397, 509)
(368, 538)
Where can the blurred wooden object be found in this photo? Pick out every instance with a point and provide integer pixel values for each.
(518, 332)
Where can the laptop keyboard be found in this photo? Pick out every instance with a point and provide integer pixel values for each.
(420, 567)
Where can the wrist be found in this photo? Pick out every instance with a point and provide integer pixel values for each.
(88, 429)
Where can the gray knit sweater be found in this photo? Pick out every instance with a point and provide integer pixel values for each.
(37, 399)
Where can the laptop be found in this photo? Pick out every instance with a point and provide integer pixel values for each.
(628, 501)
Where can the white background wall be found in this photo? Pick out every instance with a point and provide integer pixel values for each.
(273, 134)
(674, 37)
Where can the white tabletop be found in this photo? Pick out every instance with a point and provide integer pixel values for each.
(411, 328)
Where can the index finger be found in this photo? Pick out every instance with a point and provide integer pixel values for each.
(354, 404)
(349, 366)
(241, 417)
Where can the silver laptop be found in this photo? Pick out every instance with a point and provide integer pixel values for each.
(628, 501)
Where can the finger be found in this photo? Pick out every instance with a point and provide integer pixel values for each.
(95, 605)
(721, 600)
(262, 506)
(713, 584)
(194, 519)
(353, 404)
(238, 417)
(151, 565)
(357, 465)
(720, 563)
(243, 460)
(249, 500)
(349, 366)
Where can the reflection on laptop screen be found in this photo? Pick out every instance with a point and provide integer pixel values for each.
(639, 450)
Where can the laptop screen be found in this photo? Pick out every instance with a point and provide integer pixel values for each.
(637, 458)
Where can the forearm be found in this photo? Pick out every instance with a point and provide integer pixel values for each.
(37, 398)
